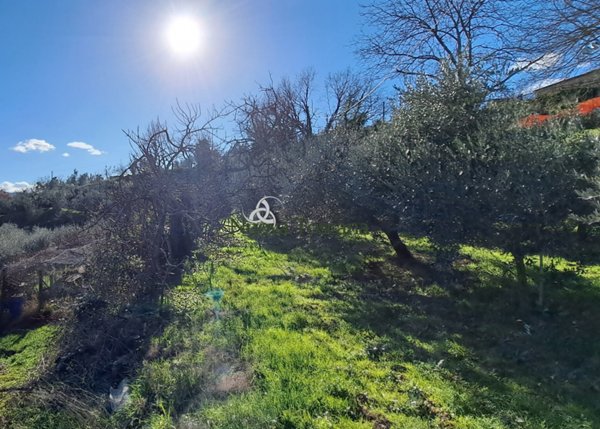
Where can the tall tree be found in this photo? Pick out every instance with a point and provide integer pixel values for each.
(493, 41)
(565, 34)
(476, 38)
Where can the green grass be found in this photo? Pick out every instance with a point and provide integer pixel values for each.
(330, 333)
(21, 355)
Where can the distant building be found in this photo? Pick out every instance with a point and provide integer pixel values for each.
(579, 95)
(583, 87)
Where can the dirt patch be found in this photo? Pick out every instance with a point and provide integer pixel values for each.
(229, 380)
(226, 375)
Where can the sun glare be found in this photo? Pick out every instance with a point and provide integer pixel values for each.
(184, 35)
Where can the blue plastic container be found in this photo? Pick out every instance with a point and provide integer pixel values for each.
(15, 307)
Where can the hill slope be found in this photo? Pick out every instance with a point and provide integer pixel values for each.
(328, 332)
(333, 334)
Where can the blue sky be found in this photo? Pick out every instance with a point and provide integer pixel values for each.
(75, 73)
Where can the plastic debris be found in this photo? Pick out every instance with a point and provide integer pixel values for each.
(119, 397)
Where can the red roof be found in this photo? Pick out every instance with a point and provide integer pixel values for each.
(584, 108)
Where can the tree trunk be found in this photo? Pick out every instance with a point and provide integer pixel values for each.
(521, 290)
(40, 291)
(521, 270)
(582, 232)
(179, 238)
(402, 252)
(158, 243)
(540, 301)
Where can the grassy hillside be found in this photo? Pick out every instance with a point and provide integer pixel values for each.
(333, 334)
(330, 333)
(24, 355)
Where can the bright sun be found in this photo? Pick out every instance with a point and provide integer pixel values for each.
(184, 35)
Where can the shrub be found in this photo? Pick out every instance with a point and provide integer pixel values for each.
(16, 242)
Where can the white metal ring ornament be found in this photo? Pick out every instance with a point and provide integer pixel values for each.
(262, 213)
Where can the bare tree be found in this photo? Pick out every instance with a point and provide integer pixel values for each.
(275, 126)
(564, 33)
(171, 194)
(352, 100)
(492, 41)
(476, 38)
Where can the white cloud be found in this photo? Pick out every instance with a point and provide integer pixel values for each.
(66, 154)
(540, 84)
(33, 145)
(15, 187)
(546, 61)
(85, 146)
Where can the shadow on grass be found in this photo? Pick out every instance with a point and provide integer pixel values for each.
(97, 348)
(506, 361)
